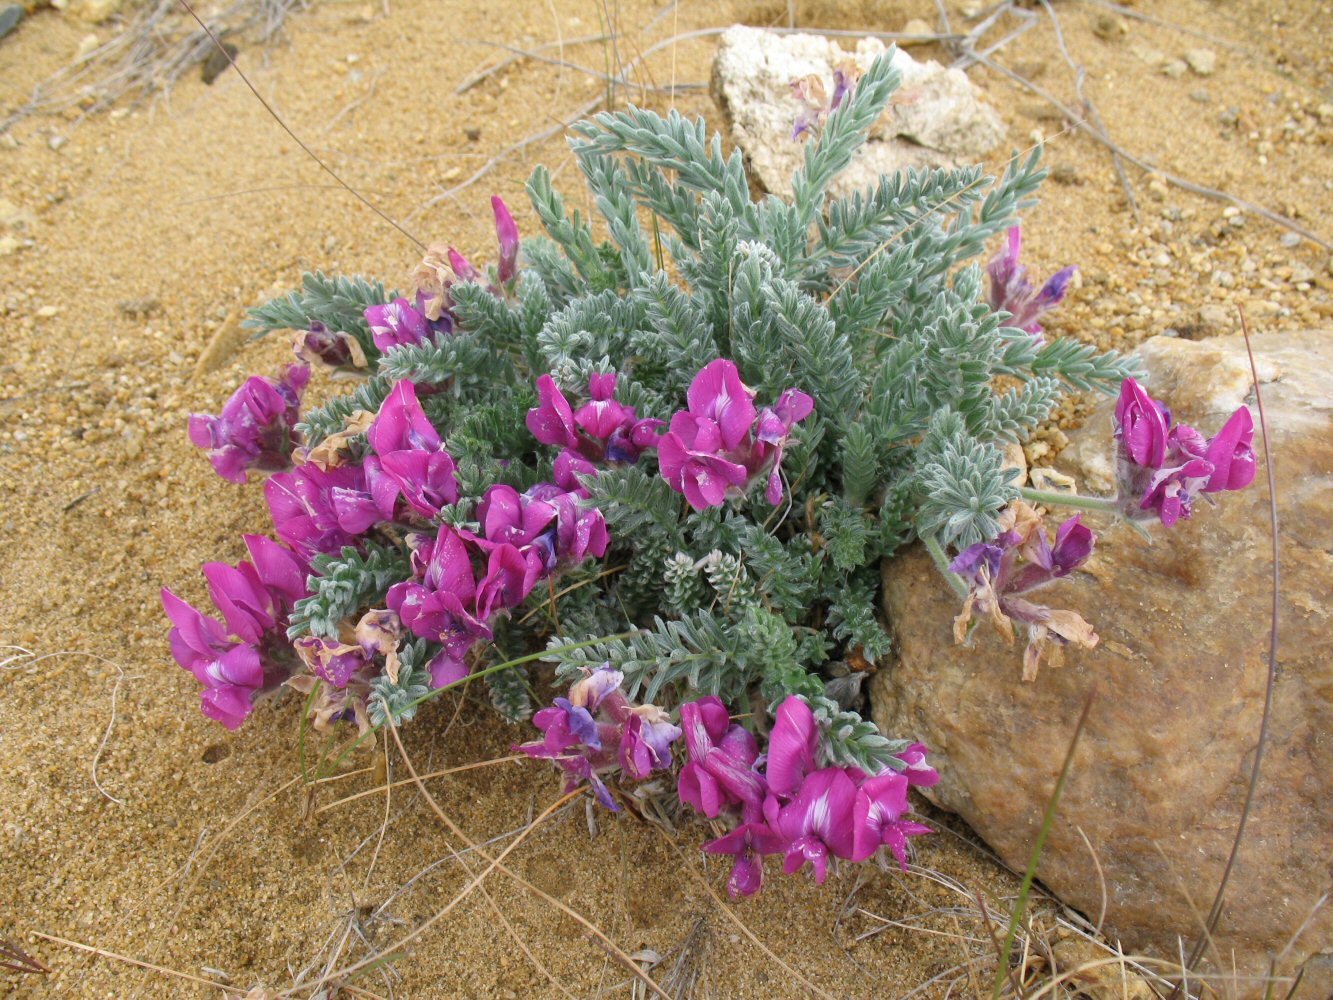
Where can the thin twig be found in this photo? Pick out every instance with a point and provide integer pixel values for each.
(1271, 681)
(1079, 75)
(1169, 178)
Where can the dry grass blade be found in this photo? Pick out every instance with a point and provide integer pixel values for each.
(496, 864)
(147, 57)
(103, 953)
(1271, 681)
(15, 959)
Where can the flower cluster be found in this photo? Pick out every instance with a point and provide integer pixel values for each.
(816, 103)
(601, 430)
(784, 803)
(1018, 561)
(429, 312)
(1161, 468)
(249, 655)
(256, 429)
(596, 731)
(1011, 291)
(720, 443)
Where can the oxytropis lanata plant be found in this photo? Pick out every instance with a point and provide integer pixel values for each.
(673, 460)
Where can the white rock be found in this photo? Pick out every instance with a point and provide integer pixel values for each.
(934, 119)
(1202, 61)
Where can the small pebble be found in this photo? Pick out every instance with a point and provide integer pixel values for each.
(56, 141)
(916, 26)
(1109, 27)
(1290, 240)
(1202, 96)
(1175, 69)
(1202, 61)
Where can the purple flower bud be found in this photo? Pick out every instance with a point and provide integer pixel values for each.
(256, 428)
(1011, 292)
(462, 267)
(551, 421)
(918, 772)
(507, 233)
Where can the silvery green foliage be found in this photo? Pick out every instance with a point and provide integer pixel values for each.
(388, 700)
(870, 303)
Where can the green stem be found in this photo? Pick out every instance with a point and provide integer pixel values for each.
(942, 564)
(1046, 821)
(1106, 505)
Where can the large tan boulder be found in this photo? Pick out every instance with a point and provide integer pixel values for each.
(1162, 770)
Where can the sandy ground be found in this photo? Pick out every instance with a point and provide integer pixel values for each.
(137, 242)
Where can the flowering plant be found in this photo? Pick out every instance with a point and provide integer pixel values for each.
(673, 460)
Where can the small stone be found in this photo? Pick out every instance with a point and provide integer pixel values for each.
(1158, 189)
(1109, 27)
(139, 308)
(8, 245)
(47, 312)
(1290, 240)
(1202, 61)
(1324, 112)
(1152, 57)
(87, 46)
(97, 11)
(217, 61)
(1066, 173)
(1263, 308)
(10, 15)
(1201, 96)
(916, 26)
(56, 141)
(1216, 317)
(972, 10)
(1175, 69)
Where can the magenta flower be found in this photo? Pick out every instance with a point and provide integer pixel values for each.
(507, 233)
(601, 430)
(877, 820)
(720, 773)
(1161, 469)
(439, 603)
(512, 517)
(748, 843)
(918, 772)
(254, 599)
(719, 444)
(690, 461)
(302, 506)
(410, 453)
(256, 429)
(1011, 292)
(791, 746)
(396, 323)
(596, 729)
(818, 822)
